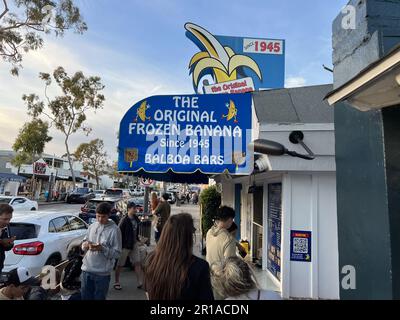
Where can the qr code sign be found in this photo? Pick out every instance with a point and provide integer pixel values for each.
(300, 245)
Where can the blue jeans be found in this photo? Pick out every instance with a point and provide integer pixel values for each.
(94, 287)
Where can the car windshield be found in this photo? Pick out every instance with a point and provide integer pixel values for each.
(22, 231)
(139, 201)
(4, 200)
(81, 190)
(91, 205)
(113, 192)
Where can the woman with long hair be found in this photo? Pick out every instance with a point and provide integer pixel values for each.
(154, 201)
(172, 272)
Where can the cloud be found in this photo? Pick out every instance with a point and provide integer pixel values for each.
(127, 78)
(293, 82)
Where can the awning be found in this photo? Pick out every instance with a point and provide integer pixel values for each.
(12, 177)
(170, 176)
(186, 138)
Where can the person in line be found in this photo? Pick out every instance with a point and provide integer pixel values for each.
(102, 245)
(129, 227)
(219, 242)
(172, 272)
(162, 213)
(154, 201)
(17, 284)
(234, 279)
(6, 242)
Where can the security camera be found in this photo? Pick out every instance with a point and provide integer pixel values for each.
(263, 164)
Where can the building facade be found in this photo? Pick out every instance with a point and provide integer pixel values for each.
(288, 212)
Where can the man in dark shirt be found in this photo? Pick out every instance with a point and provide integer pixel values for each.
(162, 212)
(129, 226)
(6, 242)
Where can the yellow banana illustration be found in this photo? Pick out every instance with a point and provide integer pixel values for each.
(141, 112)
(232, 111)
(222, 60)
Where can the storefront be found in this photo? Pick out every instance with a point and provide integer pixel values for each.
(10, 183)
(288, 211)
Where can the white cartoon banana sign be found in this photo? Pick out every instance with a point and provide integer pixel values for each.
(234, 65)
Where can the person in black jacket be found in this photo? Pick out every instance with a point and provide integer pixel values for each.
(70, 278)
(129, 226)
(6, 242)
(171, 271)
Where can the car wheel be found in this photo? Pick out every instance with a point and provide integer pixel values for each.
(53, 261)
(33, 209)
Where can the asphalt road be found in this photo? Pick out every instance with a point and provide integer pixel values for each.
(61, 207)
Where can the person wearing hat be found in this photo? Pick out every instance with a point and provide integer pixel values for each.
(18, 283)
(129, 226)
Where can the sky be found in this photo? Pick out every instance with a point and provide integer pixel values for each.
(139, 49)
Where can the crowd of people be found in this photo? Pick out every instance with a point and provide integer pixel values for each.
(169, 272)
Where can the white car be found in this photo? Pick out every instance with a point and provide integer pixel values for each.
(19, 203)
(43, 238)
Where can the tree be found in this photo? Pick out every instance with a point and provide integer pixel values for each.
(31, 141)
(210, 200)
(68, 111)
(23, 22)
(93, 158)
(114, 174)
(30, 144)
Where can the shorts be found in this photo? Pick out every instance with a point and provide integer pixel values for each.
(134, 255)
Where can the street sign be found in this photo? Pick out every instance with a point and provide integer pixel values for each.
(143, 182)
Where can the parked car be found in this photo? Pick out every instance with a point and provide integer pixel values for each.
(118, 193)
(98, 193)
(42, 238)
(80, 195)
(19, 203)
(88, 211)
(171, 197)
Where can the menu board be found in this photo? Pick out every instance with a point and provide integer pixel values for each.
(274, 229)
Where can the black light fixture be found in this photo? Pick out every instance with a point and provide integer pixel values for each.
(276, 149)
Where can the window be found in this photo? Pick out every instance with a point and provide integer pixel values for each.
(113, 193)
(19, 201)
(59, 225)
(23, 231)
(76, 223)
(82, 190)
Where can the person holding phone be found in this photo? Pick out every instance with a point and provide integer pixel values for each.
(6, 241)
(102, 246)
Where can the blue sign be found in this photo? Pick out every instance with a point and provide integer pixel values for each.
(235, 64)
(186, 133)
(300, 246)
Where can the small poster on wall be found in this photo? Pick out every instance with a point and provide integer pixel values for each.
(300, 246)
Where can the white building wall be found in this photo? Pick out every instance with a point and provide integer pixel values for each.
(309, 204)
(228, 195)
